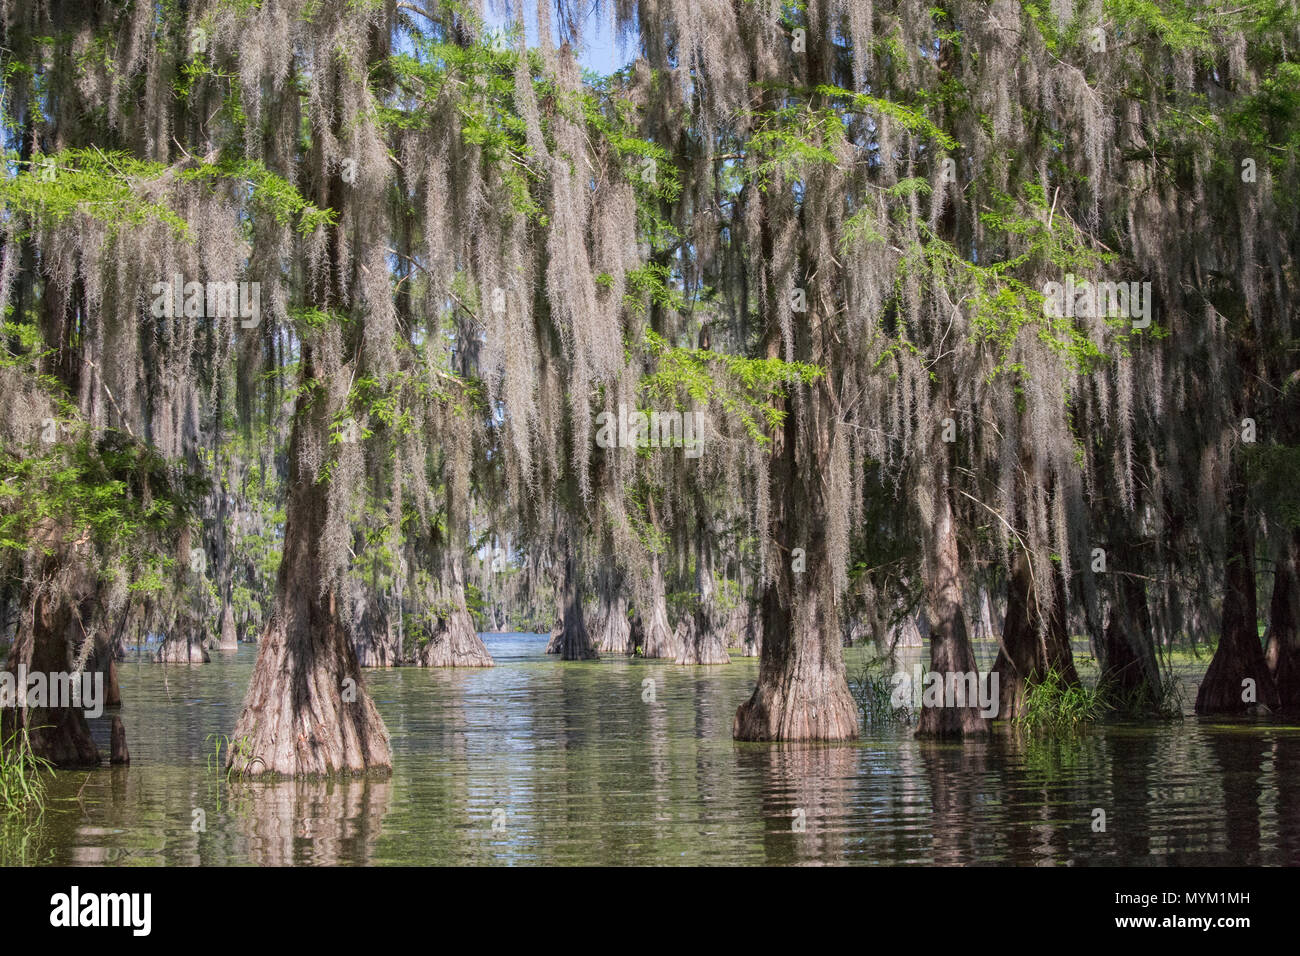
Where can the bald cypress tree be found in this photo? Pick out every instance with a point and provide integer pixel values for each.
(865, 242)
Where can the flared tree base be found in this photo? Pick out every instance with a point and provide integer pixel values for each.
(307, 712)
(699, 642)
(797, 710)
(1237, 683)
(228, 638)
(455, 644)
(182, 650)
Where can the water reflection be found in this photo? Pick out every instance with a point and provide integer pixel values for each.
(622, 761)
(808, 793)
(318, 823)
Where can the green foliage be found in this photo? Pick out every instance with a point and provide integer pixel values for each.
(745, 388)
(268, 192)
(109, 187)
(1054, 706)
(90, 182)
(114, 490)
(479, 80)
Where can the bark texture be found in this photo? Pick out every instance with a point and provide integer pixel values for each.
(701, 635)
(1030, 645)
(183, 647)
(373, 639)
(1238, 679)
(228, 639)
(307, 711)
(950, 648)
(575, 642)
(802, 691)
(1129, 665)
(612, 627)
(1283, 654)
(43, 645)
(658, 639)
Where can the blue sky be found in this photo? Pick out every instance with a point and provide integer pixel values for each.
(600, 48)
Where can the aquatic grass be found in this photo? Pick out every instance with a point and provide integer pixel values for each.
(1054, 705)
(872, 687)
(240, 747)
(1161, 701)
(22, 785)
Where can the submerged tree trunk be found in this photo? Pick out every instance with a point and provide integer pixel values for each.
(950, 649)
(613, 627)
(454, 642)
(700, 635)
(700, 638)
(105, 655)
(802, 691)
(907, 633)
(373, 638)
(752, 638)
(228, 638)
(307, 710)
(183, 646)
(575, 642)
(658, 639)
(1129, 666)
(43, 645)
(1283, 654)
(1238, 679)
(1030, 646)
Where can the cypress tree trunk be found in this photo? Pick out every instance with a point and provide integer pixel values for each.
(372, 632)
(104, 660)
(1128, 650)
(701, 639)
(575, 642)
(1283, 654)
(228, 639)
(950, 649)
(307, 710)
(658, 639)
(802, 692)
(613, 627)
(43, 646)
(1025, 654)
(454, 642)
(183, 646)
(753, 628)
(1238, 663)
(186, 636)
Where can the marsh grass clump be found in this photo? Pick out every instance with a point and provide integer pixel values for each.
(872, 689)
(1054, 705)
(1163, 700)
(22, 784)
